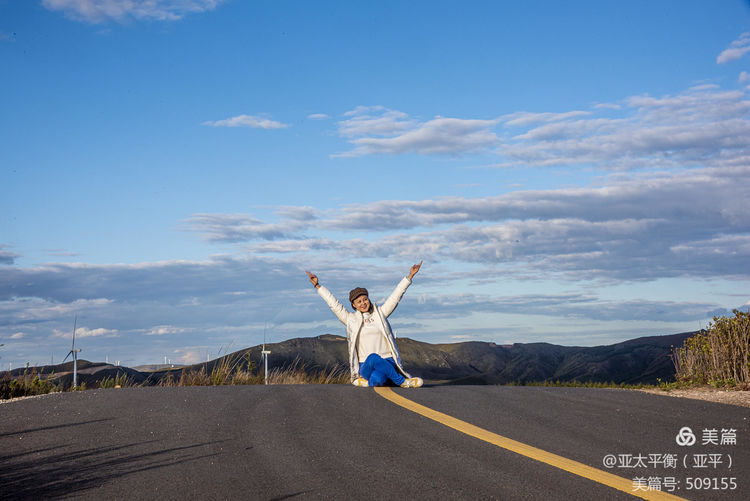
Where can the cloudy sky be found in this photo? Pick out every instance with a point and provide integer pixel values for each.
(570, 172)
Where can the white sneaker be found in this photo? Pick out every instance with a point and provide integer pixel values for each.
(360, 381)
(412, 382)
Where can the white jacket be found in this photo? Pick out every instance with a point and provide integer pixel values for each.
(354, 320)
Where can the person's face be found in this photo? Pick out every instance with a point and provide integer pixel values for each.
(362, 304)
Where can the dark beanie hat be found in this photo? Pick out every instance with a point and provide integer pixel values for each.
(355, 293)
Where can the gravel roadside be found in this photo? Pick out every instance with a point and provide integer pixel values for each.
(731, 397)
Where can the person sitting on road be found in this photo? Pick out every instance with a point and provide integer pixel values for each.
(374, 359)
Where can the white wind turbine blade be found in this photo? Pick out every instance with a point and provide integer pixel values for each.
(73, 347)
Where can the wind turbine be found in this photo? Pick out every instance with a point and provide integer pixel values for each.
(73, 351)
(264, 353)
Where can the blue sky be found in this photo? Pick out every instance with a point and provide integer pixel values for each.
(570, 172)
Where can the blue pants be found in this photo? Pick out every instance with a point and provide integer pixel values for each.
(378, 371)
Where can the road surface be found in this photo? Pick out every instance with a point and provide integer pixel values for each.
(338, 441)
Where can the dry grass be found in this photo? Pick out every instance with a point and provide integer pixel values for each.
(229, 371)
(121, 380)
(297, 373)
(241, 371)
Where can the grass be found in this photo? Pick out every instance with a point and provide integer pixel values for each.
(228, 371)
(242, 371)
(120, 380)
(298, 373)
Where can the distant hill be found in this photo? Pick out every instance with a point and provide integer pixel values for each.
(88, 372)
(642, 360)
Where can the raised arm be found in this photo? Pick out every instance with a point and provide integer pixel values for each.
(390, 304)
(336, 307)
(313, 279)
(414, 269)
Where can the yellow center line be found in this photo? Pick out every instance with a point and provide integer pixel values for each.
(580, 469)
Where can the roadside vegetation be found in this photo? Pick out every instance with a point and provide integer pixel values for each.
(226, 371)
(718, 356)
(298, 373)
(242, 371)
(27, 385)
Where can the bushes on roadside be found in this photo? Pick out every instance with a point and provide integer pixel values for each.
(718, 355)
(27, 385)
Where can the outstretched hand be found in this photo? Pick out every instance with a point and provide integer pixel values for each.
(313, 279)
(414, 269)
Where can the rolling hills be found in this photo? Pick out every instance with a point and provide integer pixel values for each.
(642, 360)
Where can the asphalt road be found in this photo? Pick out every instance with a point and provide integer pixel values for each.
(309, 441)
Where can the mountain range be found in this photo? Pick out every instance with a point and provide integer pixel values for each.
(643, 360)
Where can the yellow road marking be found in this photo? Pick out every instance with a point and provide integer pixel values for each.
(551, 459)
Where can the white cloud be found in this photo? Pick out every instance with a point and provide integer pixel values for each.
(244, 227)
(525, 118)
(226, 300)
(152, 298)
(17, 335)
(701, 126)
(189, 356)
(84, 332)
(639, 227)
(563, 305)
(378, 130)
(736, 49)
(39, 308)
(163, 330)
(374, 121)
(318, 116)
(297, 213)
(100, 11)
(720, 245)
(607, 106)
(276, 292)
(254, 121)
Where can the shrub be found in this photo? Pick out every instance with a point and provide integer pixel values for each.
(718, 355)
(27, 385)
